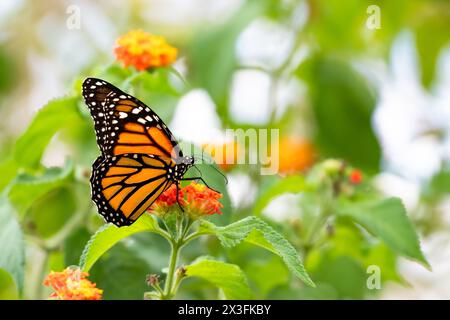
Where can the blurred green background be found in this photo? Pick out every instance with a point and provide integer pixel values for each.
(317, 70)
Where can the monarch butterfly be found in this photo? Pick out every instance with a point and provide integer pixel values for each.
(140, 158)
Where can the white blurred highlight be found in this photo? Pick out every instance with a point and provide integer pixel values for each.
(196, 120)
(241, 189)
(250, 97)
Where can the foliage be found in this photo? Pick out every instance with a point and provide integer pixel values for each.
(228, 277)
(336, 227)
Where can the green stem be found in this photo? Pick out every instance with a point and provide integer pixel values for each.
(194, 235)
(189, 224)
(42, 267)
(158, 289)
(318, 224)
(320, 221)
(177, 241)
(175, 249)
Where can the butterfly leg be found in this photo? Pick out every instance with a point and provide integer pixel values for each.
(178, 196)
(204, 182)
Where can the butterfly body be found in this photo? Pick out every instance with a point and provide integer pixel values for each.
(140, 158)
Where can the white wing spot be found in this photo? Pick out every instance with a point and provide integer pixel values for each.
(122, 115)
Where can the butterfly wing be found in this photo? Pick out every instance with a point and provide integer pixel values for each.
(95, 92)
(124, 186)
(124, 124)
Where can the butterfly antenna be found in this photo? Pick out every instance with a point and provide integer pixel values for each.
(200, 156)
(224, 176)
(195, 167)
(213, 165)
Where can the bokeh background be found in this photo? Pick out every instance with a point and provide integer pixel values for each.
(377, 98)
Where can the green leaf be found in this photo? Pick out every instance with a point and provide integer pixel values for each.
(258, 232)
(74, 244)
(8, 171)
(343, 115)
(108, 235)
(228, 277)
(290, 184)
(338, 28)
(51, 212)
(154, 250)
(56, 260)
(340, 262)
(8, 69)
(8, 289)
(12, 247)
(439, 184)
(382, 256)
(54, 116)
(267, 274)
(28, 188)
(431, 39)
(344, 273)
(120, 274)
(388, 220)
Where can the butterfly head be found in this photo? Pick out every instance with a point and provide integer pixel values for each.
(187, 161)
(183, 165)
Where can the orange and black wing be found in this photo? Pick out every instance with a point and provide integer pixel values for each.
(124, 186)
(124, 124)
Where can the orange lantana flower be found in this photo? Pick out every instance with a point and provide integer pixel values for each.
(143, 50)
(296, 154)
(202, 200)
(167, 199)
(197, 200)
(72, 284)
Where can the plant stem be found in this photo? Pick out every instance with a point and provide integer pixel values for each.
(189, 223)
(42, 272)
(175, 249)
